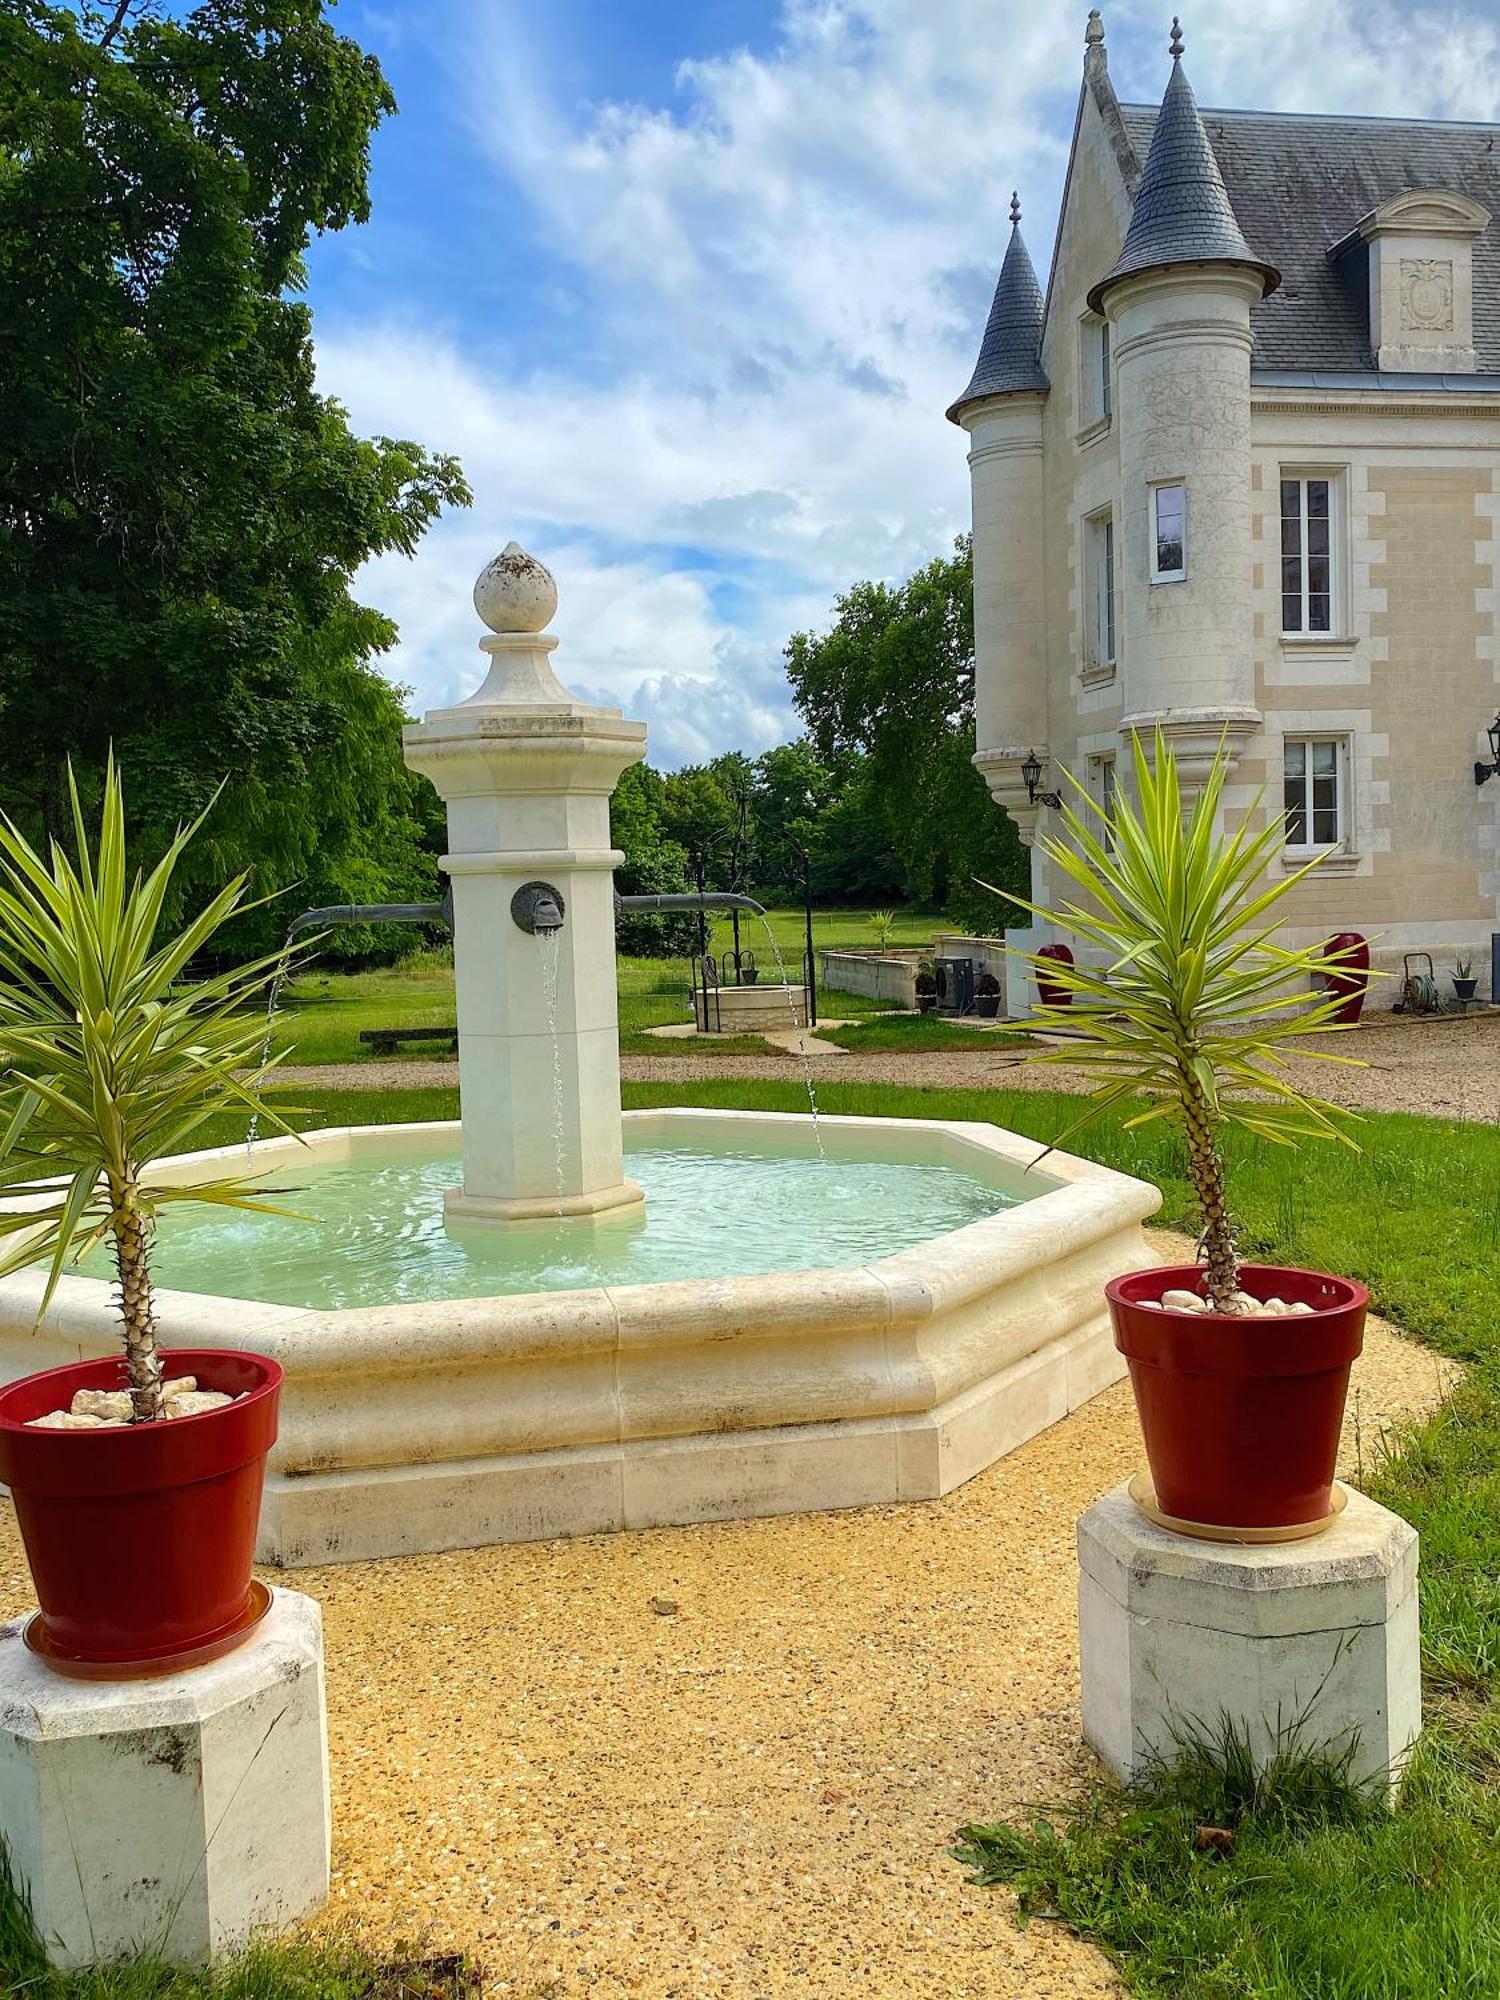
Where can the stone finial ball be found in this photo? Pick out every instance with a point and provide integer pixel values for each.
(515, 593)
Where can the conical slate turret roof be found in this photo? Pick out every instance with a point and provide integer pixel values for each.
(1182, 210)
(1009, 354)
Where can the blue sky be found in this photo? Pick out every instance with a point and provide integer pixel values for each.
(687, 285)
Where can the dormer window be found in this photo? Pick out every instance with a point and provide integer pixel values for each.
(1420, 251)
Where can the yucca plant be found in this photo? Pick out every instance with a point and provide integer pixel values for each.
(1188, 1000)
(882, 926)
(107, 1063)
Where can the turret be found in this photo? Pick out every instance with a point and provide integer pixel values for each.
(1178, 300)
(1001, 410)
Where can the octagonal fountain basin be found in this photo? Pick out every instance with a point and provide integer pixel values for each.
(872, 1310)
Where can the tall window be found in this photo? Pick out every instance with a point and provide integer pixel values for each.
(1101, 779)
(1099, 571)
(1093, 369)
(1317, 813)
(1168, 532)
(1306, 555)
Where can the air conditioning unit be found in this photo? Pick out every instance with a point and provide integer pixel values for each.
(955, 985)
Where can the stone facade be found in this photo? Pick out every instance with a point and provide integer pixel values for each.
(1389, 677)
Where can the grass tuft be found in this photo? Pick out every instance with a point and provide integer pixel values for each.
(331, 1964)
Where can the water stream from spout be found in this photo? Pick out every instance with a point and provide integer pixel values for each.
(551, 943)
(800, 1031)
(273, 1001)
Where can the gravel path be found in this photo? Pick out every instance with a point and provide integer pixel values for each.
(1446, 1068)
(753, 1791)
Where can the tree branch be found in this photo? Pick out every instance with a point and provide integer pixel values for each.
(121, 14)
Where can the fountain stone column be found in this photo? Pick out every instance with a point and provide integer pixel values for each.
(526, 772)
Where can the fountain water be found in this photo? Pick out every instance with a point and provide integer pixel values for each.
(759, 1335)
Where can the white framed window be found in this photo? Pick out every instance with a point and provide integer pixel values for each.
(1316, 792)
(1168, 531)
(1310, 579)
(1099, 587)
(1096, 396)
(1101, 786)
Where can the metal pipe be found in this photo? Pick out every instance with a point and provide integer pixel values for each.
(442, 913)
(709, 899)
(373, 913)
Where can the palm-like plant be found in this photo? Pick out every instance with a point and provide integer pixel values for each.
(107, 1064)
(1190, 1002)
(882, 925)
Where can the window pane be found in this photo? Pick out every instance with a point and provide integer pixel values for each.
(1317, 498)
(1318, 575)
(1296, 817)
(1169, 512)
(1104, 368)
(1325, 759)
(1291, 612)
(1291, 498)
(1325, 826)
(1319, 614)
(1296, 758)
(1291, 538)
(1317, 538)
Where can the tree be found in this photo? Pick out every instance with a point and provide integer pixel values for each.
(894, 678)
(180, 511)
(653, 866)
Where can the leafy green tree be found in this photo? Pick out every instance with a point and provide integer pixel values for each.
(653, 866)
(180, 511)
(894, 678)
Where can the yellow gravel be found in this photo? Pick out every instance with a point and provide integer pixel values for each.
(730, 1760)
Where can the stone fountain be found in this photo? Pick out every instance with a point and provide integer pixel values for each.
(796, 1318)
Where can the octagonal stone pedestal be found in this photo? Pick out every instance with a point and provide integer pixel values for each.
(176, 1815)
(1175, 1634)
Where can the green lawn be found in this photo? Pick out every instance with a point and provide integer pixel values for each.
(324, 1012)
(920, 1032)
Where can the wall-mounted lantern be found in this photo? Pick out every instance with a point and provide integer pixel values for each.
(1031, 772)
(1483, 770)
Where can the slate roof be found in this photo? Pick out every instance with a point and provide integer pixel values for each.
(1182, 213)
(1300, 183)
(1010, 350)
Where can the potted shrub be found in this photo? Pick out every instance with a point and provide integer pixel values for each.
(1240, 1370)
(138, 1510)
(1465, 985)
(926, 986)
(987, 996)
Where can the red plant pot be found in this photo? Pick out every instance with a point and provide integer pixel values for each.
(1048, 991)
(1352, 949)
(141, 1540)
(1241, 1416)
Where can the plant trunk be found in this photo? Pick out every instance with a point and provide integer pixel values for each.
(1207, 1170)
(132, 1233)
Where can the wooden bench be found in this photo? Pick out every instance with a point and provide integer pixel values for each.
(384, 1041)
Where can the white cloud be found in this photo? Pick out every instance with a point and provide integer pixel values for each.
(784, 280)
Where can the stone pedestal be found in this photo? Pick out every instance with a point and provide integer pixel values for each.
(178, 1814)
(526, 772)
(1175, 1634)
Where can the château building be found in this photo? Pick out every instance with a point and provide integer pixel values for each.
(1236, 472)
